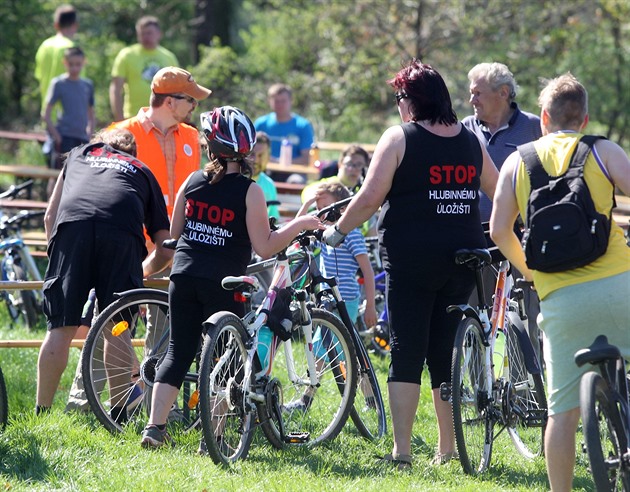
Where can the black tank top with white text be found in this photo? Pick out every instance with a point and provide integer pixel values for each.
(432, 208)
(215, 242)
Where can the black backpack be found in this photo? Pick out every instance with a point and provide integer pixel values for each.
(563, 230)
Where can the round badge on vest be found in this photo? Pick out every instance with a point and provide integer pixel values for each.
(188, 150)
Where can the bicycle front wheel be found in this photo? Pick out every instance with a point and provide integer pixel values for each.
(315, 410)
(226, 410)
(471, 397)
(604, 434)
(4, 403)
(368, 412)
(526, 403)
(122, 353)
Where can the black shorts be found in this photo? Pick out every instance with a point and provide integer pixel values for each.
(85, 255)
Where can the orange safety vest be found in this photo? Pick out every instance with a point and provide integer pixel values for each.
(150, 152)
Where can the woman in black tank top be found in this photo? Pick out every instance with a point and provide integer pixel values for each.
(219, 215)
(426, 175)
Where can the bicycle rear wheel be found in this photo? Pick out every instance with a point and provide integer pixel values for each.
(314, 413)
(604, 434)
(526, 401)
(4, 403)
(226, 410)
(471, 398)
(368, 412)
(122, 353)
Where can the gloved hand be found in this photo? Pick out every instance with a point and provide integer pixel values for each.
(332, 236)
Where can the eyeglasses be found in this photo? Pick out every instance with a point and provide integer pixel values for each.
(353, 165)
(191, 100)
(400, 96)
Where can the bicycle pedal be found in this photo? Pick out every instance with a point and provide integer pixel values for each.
(297, 437)
(445, 392)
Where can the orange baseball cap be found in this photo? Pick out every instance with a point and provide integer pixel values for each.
(174, 80)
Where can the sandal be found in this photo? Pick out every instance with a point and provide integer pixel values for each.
(443, 458)
(401, 461)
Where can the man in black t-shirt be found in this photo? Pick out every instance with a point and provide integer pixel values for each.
(94, 225)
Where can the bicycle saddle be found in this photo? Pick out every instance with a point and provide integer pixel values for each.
(473, 258)
(242, 283)
(600, 350)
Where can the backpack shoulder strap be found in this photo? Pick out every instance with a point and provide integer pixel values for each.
(537, 175)
(580, 154)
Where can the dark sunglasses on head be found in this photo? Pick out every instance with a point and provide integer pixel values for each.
(400, 96)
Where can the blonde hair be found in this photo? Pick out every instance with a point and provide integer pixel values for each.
(335, 188)
(565, 100)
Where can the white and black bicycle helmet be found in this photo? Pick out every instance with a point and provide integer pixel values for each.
(230, 133)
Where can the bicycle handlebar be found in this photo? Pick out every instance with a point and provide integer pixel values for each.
(14, 190)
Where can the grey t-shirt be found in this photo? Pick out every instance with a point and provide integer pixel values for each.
(76, 97)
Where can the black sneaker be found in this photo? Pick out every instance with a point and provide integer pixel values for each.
(153, 437)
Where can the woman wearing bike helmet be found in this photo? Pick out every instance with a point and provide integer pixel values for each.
(219, 214)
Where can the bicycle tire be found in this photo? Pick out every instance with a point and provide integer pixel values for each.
(604, 434)
(4, 402)
(142, 315)
(527, 407)
(226, 411)
(368, 411)
(26, 301)
(332, 399)
(472, 419)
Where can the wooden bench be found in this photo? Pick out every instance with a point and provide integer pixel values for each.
(27, 171)
(27, 136)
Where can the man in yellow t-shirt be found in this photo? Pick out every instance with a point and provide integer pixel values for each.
(49, 56)
(135, 67)
(578, 304)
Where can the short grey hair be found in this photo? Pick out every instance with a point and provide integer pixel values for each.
(496, 74)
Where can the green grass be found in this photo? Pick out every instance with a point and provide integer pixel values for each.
(74, 452)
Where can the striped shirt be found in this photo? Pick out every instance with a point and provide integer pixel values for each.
(341, 262)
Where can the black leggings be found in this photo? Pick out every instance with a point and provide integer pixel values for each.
(421, 329)
(191, 301)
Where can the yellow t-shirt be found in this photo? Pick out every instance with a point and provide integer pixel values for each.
(49, 62)
(138, 66)
(555, 152)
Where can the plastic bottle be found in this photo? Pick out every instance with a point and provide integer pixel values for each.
(286, 153)
(265, 338)
(313, 156)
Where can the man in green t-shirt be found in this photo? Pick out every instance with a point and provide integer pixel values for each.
(134, 68)
(49, 56)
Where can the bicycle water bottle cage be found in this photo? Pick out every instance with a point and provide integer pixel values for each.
(599, 351)
(473, 258)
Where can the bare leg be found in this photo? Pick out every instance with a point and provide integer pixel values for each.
(162, 400)
(52, 361)
(444, 413)
(403, 403)
(560, 449)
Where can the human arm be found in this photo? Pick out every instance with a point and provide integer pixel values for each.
(304, 208)
(489, 174)
(116, 97)
(53, 205)
(504, 213)
(178, 220)
(50, 126)
(387, 156)
(265, 241)
(91, 122)
(617, 163)
(370, 316)
(160, 257)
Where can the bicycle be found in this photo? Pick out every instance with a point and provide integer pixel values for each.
(511, 394)
(605, 412)
(4, 403)
(368, 412)
(297, 397)
(18, 264)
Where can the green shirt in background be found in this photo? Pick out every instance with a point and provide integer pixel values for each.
(138, 66)
(49, 62)
(270, 192)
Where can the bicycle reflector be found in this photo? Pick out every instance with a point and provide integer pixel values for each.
(119, 328)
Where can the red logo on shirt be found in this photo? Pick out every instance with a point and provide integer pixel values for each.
(214, 214)
(448, 174)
